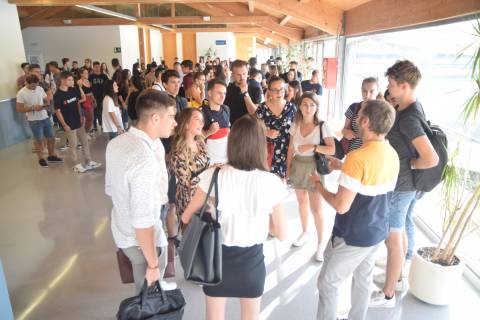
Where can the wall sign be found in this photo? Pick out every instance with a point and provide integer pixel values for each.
(221, 42)
(117, 50)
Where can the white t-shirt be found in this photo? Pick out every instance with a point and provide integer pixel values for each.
(312, 138)
(30, 98)
(246, 200)
(158, 86)
(107, 123)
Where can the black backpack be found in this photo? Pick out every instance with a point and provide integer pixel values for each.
(427, 179)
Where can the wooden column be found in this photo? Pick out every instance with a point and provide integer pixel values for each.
(148, 53)
(141, 44)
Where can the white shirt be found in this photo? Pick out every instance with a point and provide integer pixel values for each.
(136, 179)
(246, 200)
(311, 138)
(107, 123)
(30, 98)
(158, 86)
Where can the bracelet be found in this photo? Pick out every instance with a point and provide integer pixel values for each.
(152, 268)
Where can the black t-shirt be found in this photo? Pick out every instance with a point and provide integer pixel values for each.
(236, 101)
(313, 87)
(221, 116)
(97, 81)
(406, 128)
(67, 102)
(117, 75)
(132, 112)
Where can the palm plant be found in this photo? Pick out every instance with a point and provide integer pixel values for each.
(461, 191)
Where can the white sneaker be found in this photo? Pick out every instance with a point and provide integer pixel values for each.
(301, 240)
(93, 165)
(79, 168)
(378, 300)
(319, 254)
(167, 286)
(400, 286)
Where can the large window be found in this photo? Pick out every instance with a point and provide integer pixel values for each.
(444, 88)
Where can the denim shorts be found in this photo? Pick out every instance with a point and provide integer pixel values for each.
(41, 129)
(399, 206)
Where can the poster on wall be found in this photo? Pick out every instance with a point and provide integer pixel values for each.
(35, 58)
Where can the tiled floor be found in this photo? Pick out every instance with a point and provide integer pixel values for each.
(59, 257)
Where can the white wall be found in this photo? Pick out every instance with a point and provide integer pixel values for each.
(12, 53)
(206, 40)
(130, 46)
(75, 43)
(156, 44)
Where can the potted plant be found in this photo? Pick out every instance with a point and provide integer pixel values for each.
(435, 270)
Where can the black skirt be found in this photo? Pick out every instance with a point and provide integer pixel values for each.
(243, 273)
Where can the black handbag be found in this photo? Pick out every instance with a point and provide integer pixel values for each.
(200, 249)
(153, 303)
(321, 161)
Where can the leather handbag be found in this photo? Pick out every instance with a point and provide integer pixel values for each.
(321, 161)
(125, 267)
(270, 151)
(200, 249)
(153, 303)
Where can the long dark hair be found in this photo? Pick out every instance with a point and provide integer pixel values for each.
(109, 91)
(247, 144)
(297, 87)
(299, 115)
(220, 73)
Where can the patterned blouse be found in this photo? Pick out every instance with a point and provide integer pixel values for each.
(187, 171)
(281, 124)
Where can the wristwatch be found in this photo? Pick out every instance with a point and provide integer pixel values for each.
(245, 94)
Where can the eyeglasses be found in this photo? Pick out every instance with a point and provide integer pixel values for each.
(276, 90)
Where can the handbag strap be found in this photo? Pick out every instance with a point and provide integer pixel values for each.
(322, 142)
(213, 183)
(146, 289)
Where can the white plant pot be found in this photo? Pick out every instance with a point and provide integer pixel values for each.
(434, 283)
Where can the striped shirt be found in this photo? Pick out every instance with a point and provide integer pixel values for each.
(352, 115)
(371, 172)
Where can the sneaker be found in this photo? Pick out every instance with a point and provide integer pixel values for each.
(167, 286)
(400, 286)
(301, 240)
(79, 168)
(92, 165)
(63, 148)
(43, 163)
(378, 300)
(79, 146)
(319, 254)
(54, 159)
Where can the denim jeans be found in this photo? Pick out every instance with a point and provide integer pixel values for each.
(400, 217)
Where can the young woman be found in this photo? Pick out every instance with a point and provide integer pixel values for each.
(277, 114)
(248, 214)
(89, 104)
(370, 91)
(220, 73)
(189, 156)
(104, 69)
(196, 93)
(123, 88)
(111, 114)
(294, 91)
(291, 75)
(136, 87)
(304, 141)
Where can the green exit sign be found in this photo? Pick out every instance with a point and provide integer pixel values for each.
(117, 50)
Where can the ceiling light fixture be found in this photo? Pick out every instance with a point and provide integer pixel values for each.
(162, 27)
(105, 11)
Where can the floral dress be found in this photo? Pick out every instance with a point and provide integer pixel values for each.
(187, 170)
(280, 144)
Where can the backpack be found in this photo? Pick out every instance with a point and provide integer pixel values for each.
(427, 179)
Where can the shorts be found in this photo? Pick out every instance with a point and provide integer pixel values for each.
(399, 206)
(301, 169)
(42, 129)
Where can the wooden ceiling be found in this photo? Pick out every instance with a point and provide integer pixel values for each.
(276, 21)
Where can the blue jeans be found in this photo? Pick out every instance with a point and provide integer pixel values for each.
(112, 135)
(400, 217)
(41, 129)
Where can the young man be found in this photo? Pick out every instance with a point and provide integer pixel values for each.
(366, 182)
(157, 85)
(241, 97)
(117, 71)
(87, 64)
(65, 64)
(313, 84)
(75, 70)
(67, 101)
(178, 67)
(97, 78)
(406, 135)
(216, 116)
(21, 80)
(137, 181)
(150, 75)
(187, 70)
(292, 65)
(33, 101)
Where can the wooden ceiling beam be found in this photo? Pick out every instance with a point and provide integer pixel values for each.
(251, 6)
(380, 15)
(316, 13)
(200, 20)
(57, 22)
(103, 2)
(296, 34)
(285, 20)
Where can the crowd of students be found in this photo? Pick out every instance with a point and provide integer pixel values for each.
(168, 128)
